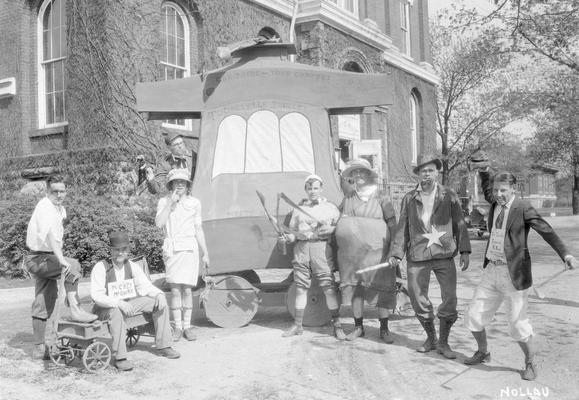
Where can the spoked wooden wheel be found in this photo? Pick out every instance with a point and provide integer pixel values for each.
(61, 353)
(96, 357)
(133, 337)
(230, 302)
(316, 312)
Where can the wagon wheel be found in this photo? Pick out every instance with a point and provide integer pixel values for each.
(61, 353)
(316, 312)
(231, 302)
(133, 337)
(96, 357)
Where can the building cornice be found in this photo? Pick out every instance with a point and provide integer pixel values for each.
(331, 14)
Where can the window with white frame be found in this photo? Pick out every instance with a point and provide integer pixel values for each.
(348, 5)
(264, 143)
(414, 110)
(52, 58)
(175, 53)
(405, 27)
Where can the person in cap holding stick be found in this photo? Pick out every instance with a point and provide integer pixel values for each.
(46, 263)
(507, 266)
(179, 157)
(363, 234)
(179, 215)
(121, 289)
(431, 231)
(313, 253)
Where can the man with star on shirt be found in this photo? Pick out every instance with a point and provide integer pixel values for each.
(431, 232)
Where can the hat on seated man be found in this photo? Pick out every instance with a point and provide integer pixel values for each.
(121, 289)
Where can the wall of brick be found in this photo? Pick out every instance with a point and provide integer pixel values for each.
(113, 45)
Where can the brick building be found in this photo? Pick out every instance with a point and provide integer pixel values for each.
(69, 67)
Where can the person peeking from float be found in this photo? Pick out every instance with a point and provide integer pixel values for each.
(179, 215)
(312, 258)
(363, 235)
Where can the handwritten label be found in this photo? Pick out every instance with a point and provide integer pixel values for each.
(122, 290)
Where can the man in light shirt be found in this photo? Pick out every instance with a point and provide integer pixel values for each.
(507, 267)
(46, 262)
(121, 289)
(431, 232)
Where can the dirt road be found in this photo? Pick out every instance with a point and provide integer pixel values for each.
(254, 362)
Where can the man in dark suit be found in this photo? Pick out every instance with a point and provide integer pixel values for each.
(507, 267)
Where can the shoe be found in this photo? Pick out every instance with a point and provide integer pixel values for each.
(478, 358)
(386, 336)
(530, 372)
(40, 352)
(445, 350)
(168, 352)
(189, 334)
(79, 315)
(356, 333)
(339, 332)
(177, 333)
(295, 330)
(124, 365)
(428, 345)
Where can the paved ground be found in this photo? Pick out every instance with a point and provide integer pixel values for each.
(254, 362)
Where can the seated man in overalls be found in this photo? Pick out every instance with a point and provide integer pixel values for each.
(121, 289)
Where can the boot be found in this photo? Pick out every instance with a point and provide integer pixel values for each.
(338, 331)
(297, 328)
(385, 334)
(358, 329)
(76, 312)
(442, 347)
(431, 341)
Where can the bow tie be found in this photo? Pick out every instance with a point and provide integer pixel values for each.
(311, 203)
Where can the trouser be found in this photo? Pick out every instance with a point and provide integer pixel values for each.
(46, 271)
(313, 259)
(495, 287)
(419, 281)
(118, 326)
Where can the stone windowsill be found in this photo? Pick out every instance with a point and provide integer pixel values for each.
(53, 130)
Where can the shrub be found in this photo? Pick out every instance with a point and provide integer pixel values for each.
(90, 217)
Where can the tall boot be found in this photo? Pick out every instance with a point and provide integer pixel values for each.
(431, 341)
(442, 347)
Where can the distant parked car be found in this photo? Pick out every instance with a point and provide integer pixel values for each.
(475, 215)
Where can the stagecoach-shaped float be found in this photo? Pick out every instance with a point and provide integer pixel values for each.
(264, 127)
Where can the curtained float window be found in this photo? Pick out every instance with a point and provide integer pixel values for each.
(175, 53)
(264, 144)
(52, 58)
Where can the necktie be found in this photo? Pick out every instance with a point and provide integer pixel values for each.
(500, 218)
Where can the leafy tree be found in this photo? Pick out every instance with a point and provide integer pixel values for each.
(474, 104)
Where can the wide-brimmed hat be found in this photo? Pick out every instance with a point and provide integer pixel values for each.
(359, 164)
(118, 239)
(177, 174)
(427, 158)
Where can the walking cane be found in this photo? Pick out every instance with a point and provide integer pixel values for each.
(537, 289)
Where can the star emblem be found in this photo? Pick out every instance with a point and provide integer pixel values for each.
(433, 237)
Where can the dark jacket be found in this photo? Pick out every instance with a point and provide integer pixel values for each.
(522, 217)
(446, 217)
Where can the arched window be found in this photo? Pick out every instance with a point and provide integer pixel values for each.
(414, 115)
(264, 144)
(175, 62)
(51, 60)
